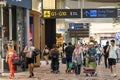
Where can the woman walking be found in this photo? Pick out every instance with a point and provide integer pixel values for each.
(77, 58)
(10, 53)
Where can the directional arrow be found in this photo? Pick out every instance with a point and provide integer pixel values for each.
(86, 13)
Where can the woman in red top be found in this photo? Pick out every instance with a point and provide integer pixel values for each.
(9, 56)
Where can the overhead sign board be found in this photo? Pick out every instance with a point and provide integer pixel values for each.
(62, 13)
(79, 30)
(77, 26)
(22, 3)
(100, 13)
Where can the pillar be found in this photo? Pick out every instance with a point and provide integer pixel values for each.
(27, 25)
(10, 22)
(2, 60)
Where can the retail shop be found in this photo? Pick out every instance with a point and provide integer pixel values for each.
(13, 20)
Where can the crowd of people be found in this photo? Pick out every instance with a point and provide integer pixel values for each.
(75, 57)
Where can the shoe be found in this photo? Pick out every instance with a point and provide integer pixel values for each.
(32, 74)
(114, 75)
(10, 77)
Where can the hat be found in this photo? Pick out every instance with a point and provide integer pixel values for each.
(91, 43)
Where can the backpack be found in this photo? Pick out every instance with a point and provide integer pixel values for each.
(54, 54)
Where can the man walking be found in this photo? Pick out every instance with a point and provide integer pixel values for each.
(69, 51)
(112, 58)
(106, 54)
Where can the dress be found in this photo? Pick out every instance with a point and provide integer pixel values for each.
(10, 54)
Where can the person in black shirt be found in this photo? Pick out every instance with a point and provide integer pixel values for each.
(69, 51)
(106, 54)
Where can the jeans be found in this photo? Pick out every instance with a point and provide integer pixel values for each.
(98, 58)
(69, 61)
(55, 64)
(106, 61)
(77, 68)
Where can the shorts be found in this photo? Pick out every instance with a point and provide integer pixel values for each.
(111, 61)
(30, 60)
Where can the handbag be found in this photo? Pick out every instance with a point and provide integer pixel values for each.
(15, 60)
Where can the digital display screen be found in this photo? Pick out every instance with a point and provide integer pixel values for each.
(100, 13)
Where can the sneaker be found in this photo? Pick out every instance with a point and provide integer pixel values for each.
(114, 75)
(32, 74)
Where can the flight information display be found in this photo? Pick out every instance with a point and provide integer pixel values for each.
(100, 13)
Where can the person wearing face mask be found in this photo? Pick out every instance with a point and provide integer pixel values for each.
(91, 57)
(30, 60)
(77, 58)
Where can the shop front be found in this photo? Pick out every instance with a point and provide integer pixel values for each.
(14, 21)
(35, 27)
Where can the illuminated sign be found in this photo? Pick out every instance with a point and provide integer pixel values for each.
(79, 30)
(100, 13)
(22, 3)
(62, 13)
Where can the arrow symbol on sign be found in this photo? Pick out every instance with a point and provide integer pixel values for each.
(86, 13)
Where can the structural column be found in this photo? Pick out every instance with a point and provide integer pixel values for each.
(27, 25)
(2, 61)
(10, 22)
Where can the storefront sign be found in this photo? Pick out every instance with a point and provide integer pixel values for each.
(22, 3)
(100, 13)
(62, 13)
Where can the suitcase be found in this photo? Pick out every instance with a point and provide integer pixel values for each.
(64, 60)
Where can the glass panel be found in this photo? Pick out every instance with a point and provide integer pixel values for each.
(19, 28)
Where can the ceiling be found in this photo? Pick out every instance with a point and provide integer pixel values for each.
(101, 0)
(104, 0)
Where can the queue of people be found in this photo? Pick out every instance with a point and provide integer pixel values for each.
(77, 56)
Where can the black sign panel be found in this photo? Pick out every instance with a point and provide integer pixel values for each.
(62, 13)
(22, 3)
(100, 13)
(79, 30)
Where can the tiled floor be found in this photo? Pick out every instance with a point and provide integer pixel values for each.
(43, 73)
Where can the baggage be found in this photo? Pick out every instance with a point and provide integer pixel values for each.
(63, 60)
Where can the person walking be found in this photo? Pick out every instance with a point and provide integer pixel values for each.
(105, 53)
(99, 52)
(10, 53)
(77, 58)
(112, 57)
(54, 59)
(69, 51)
(30, 60)
(46, 54)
